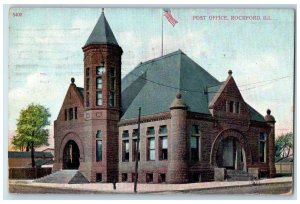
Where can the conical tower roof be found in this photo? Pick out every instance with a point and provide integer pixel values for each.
(102, 33)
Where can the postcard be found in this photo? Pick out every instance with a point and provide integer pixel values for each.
(151, 100)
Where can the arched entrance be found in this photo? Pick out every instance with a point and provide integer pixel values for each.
(231, 154)
(71, 155)
(231, 150)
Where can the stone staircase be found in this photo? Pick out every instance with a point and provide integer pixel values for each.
(64, 176)
(238, 175)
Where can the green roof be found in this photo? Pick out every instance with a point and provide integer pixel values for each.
(254, 115)
(102, 33)
(153, 85)
(12, 154)
(81, 91)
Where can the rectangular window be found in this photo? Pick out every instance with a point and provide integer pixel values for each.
(112, 83)
(87, 84)
(99, 134)
(125, 134)
(112, 72)
(162, 178)
(125, 150)
(262, 147)
(112, 99)
(163, 129)
(99, 98)
(149, 178)
(70, 113)
(150, 131)
(195, 129)
(87, 99)
(164, 147)
(99, 82)
(124, 177)
(151, 149)
(87, 72)
(238, 107)
(100, 70)
(98, 150)
(231, 104)
(66, 114)
(75, 112)
(194, 148)
(134, 147)
(135, 132)
(98, 177)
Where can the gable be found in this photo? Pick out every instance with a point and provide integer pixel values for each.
(73, 98)
(227, 101)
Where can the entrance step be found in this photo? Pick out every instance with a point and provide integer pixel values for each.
(64, 176)
(238, 175)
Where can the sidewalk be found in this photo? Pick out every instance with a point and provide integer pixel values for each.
(147, 188)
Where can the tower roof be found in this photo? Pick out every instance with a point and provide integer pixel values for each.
(102, 33)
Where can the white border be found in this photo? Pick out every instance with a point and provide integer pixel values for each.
(128, 3)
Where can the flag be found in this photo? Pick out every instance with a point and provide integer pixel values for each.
(170, 18)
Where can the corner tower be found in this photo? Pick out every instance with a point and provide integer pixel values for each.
(102, 93)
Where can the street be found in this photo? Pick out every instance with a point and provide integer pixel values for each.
(276, 188)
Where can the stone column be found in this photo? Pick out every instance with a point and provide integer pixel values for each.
(178, 161)
(271, 143)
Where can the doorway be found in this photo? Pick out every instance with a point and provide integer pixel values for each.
(71, 155)
(231, 154)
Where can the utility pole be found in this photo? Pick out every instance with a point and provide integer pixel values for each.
(136, 153)
(162, 34)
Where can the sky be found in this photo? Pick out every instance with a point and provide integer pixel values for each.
(45, 51)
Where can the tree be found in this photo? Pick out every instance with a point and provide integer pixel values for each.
(31, 129)
(284, 146)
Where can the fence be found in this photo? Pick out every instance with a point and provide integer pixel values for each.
(28, 173)
(284, 168)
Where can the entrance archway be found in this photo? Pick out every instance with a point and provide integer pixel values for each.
(71, 155)
(231, 154)
(229, 141)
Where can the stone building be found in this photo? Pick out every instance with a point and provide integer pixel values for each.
(193, 127)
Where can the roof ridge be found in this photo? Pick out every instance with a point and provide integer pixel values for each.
(161, 57)
(180, 67)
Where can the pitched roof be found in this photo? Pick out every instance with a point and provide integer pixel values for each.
(102, 33)
(153, 85)
(254, 115)
(80, 90)
(213, 90)
(13, 154)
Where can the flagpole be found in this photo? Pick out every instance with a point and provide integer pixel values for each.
(162, 33)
